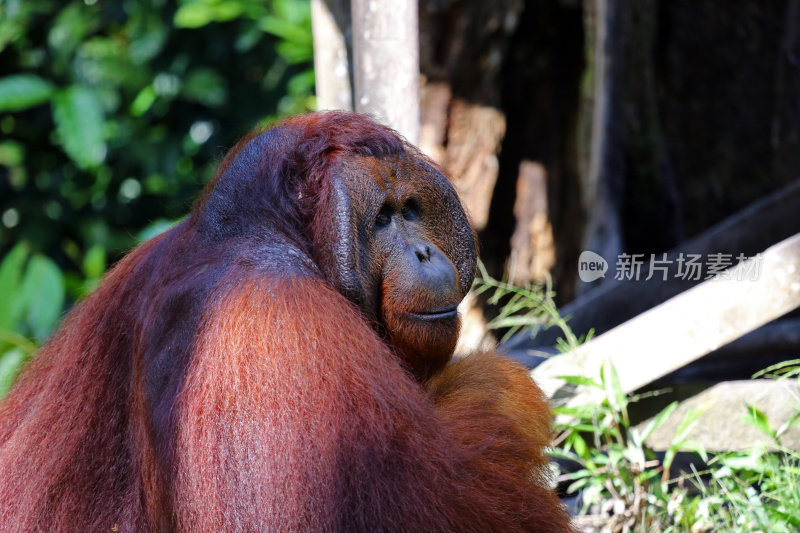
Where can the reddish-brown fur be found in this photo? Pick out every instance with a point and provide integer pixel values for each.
(226, 376)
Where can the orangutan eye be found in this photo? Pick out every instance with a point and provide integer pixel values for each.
(384, 217)
(410, 210)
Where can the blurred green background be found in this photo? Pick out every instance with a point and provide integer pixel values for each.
(156, 91)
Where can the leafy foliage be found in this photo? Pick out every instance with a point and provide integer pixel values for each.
(113, 115)
(528, 308)
(37, 286)
(617, 476)
(623, 484)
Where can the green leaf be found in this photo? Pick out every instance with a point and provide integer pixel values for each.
(577, 485)
(149, 37)
(784, 368)
(10, 362)
(200, 13)
(294, 53)
(301, 83)
(579, 445)
(22, 91)
(658, 420)
(143, 101)
(11, 270)
(293, 11)
(79, 121)
(580, 380)
(787, 425)
(286, 30)
(614, 391)
(107, 64)
(73, 24)
(789, 517)
(752, 460)
(193, 16)
(686, 426)
(94, 262)
(12, 153)
(205, 86)
(43, 290)
(758, 419)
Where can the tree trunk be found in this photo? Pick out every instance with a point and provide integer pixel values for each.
(333, 48)
(386, 63)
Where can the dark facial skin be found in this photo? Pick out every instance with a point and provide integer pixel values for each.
(412, 254)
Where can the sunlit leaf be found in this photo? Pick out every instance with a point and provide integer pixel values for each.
(22, 91)
(195, 15)
(74, 22)
(79, 121)
(94, 262)
(11, 270)
(758, 419)
(106, 63)
(658, 420)
(205, 86)
(749, 460)
(202, 12)
(150, 34)
(580, 380)
(301, 83)
(579, 445)
(614, 390)
(43, 291)
(285, 30)
(143, 101)
(11, 153)
(10, 362)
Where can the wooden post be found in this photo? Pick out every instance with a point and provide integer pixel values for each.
(687, 326)
(333, 70)
(386, 61)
